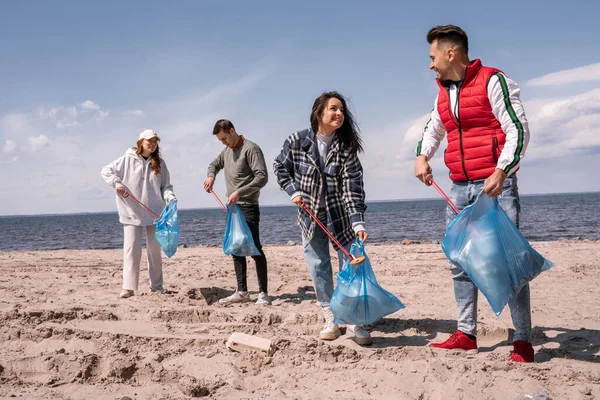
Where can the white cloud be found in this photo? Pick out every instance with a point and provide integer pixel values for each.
(65, 124)
(9, 146)
(38, 143)
(63, 117)
(18, 125)
(412, 137)
(73, 117)
(580, 74)
(89, 105)
(49, 113)
(135, 113)
(14, 123)
(561, 126)
(72, 111)
(12, 160)
(101, 115)
(59, 113)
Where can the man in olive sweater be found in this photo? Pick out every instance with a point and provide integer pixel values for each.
(245, 175)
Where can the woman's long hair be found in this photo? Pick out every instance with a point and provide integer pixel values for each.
(154, 157)
(348, 133)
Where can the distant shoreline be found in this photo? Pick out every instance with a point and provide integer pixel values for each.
(405, 242)
(279, 205)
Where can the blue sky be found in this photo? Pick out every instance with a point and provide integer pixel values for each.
(79, 80)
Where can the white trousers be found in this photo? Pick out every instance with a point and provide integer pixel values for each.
(132, 257)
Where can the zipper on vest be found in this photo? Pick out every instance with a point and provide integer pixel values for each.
(460, 133)
(494, 147)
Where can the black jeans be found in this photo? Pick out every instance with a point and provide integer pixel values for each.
(252, 214)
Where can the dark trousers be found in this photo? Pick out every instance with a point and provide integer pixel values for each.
(252, 214)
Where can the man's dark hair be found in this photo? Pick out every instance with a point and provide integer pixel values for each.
(450, 34)
(224, 125)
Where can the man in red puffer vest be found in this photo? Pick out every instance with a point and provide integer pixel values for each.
(480, 111)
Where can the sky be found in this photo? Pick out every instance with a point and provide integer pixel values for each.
(80, 80)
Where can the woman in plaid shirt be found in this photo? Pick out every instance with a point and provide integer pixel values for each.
(319, 166)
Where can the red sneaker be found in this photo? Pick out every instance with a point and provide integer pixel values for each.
(522, 352)
(458, 341)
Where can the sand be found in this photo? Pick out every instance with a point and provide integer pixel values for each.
(65, 334)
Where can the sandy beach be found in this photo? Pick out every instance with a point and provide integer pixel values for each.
(66, 335)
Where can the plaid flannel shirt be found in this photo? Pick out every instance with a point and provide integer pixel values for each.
(297, 170)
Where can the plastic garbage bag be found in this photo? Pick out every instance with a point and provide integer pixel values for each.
(484, 243)
(358, 299)
(238, 240)
(167, 229)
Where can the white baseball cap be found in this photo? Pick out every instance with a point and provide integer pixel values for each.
(148, 134)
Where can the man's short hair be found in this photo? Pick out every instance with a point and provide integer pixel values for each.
(450, 34)
(224, 125)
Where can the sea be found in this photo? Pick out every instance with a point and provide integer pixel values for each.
(543, 218)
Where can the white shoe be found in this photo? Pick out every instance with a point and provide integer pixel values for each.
(330, 330)
(361, 336)
(126, 293)
(263, 299)
(158, 289)
(237, 297)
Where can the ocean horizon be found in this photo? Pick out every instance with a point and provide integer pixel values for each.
(279, 205)
(543, 217)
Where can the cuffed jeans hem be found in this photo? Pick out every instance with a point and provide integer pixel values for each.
(525, 336)
(467, 330)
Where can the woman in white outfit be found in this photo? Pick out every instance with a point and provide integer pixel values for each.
(143, 174)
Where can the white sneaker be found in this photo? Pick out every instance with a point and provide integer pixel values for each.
(330, 330)
(126, 293)
(361, 336)
(263, 299)
(158, 289)
(237, 297)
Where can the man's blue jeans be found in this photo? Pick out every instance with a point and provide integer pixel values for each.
(465, 292)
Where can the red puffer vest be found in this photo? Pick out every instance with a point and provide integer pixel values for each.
(475, 139)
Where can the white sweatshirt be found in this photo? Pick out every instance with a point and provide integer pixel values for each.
(133, 173)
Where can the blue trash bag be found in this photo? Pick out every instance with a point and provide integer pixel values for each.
(238, 240)
(358, 299)
(167, 229)
(484, 243)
